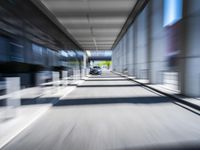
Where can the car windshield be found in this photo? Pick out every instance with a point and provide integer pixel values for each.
(96, 67)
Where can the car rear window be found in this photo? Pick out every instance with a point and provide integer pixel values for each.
(96, 67)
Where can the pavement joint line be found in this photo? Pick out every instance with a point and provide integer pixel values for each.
(176, 98)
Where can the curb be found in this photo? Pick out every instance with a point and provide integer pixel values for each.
(178, 99)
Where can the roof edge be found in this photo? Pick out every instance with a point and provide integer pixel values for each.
(139, 6)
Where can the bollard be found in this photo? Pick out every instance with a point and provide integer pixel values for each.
(64, 78)
(82, 73)
(56, 82)
(40, 79)
(13, 96)
(77, 75)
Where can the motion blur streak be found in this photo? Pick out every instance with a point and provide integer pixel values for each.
(99, 74)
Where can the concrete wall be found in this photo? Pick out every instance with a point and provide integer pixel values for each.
(190, 83)
(144, 49)
(124, 54)
(141, 45)
(157, 40)
(130, 53)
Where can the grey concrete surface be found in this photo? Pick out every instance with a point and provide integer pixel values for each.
(23, 116)
(121, 117)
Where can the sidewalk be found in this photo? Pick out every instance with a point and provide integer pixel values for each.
(189, 101)
(25, 115)
(36, 102)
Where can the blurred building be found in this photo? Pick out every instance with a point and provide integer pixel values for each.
(30, 43)
(156, 40)
(161, 45)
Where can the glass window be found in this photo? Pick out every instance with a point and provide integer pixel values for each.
(172, 11)
(37, 49)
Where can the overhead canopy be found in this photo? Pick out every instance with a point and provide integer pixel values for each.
(94, 24)
(99, 55)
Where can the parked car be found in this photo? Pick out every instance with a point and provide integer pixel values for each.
(96, 70)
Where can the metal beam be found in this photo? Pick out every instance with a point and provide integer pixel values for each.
(139, 6)
(43, 8)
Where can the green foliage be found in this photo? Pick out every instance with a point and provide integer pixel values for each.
(105, 63)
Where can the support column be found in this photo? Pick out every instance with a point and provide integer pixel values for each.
(130, 55)
(141, 45)
(158, 45)
(84, 65)
(190, 54)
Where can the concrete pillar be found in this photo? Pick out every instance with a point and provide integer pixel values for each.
(84, 71)
(125, 54)
(120, 56)
(134, 48)
(114, 60)
(157, 41)
(190, 53)
(141, 45)
(115, 65)
(130, 53)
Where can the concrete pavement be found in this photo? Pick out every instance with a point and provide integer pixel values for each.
(34, 103)
(110, 112)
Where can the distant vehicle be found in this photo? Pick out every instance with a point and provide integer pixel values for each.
(96, 70)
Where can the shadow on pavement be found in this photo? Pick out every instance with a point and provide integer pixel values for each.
(36, 101)
(179, 146)
(115, 100)
(106, 79)
(102, 77)
(116, 85)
